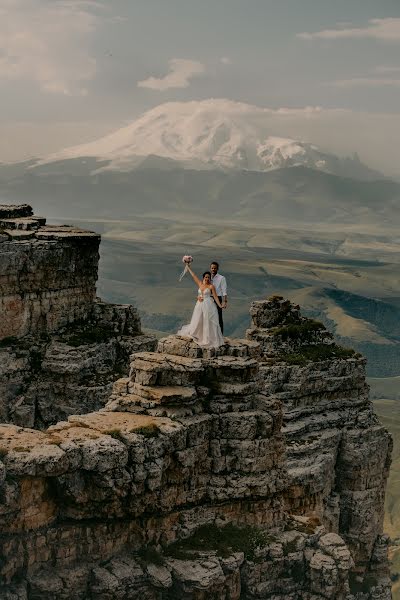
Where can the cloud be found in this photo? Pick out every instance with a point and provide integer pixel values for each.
(365, 82)
(372, 80)
(384, 69)
(226, 61)
(180, 73)
(47, 42)
(386, 30)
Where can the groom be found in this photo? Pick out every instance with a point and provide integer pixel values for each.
(219, 282)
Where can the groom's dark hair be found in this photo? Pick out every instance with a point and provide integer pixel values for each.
(214, 262)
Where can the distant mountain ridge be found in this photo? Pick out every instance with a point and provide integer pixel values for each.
(211, 134)
(197, 159)
(297, 196)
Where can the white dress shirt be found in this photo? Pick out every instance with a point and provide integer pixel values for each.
(219, 282)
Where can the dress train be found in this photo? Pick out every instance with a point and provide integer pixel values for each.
(204, 325)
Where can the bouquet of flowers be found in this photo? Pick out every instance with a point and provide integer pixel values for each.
(187, 260)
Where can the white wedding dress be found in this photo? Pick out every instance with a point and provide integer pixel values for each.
(204, 326)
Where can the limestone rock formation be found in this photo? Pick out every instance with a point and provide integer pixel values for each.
(338, 454)
(60, 346)
(255, 471)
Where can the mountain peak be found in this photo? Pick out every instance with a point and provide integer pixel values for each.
(213, 133)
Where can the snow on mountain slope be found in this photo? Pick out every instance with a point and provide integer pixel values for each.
(212, 133)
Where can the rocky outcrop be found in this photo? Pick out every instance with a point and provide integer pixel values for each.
(179, 488)
(48, 273)
(255, 471)
(46, 380)
(338, 454)
(61, 348)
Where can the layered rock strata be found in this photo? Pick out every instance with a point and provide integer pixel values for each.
(108, 504)
(60, 347)
(183, 442)
(338, 453)
(255, 471)
(48, 273)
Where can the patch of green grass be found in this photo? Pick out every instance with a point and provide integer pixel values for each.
(151, 555)
(115, 433)
(148, 431)
(317, 352)
(298, 331)
(223, 540)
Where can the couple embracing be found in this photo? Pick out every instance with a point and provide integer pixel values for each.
(206, 326)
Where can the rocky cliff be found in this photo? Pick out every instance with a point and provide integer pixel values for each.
(255, 471)
(338, 454)
(60, 346)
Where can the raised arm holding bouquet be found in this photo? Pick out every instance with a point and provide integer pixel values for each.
(187, 260)
(204, 326)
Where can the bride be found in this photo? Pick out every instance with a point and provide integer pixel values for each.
(204, 327)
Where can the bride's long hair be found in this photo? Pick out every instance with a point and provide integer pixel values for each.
(206, 273)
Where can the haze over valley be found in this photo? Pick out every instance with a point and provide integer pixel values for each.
(208, 178)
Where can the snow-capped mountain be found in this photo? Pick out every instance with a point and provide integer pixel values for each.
(207, 134)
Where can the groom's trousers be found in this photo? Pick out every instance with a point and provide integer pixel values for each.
(221, 321)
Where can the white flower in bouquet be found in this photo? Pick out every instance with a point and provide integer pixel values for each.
(187, 260)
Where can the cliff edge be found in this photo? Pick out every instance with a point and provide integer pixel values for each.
(60, 346)
(255, 471)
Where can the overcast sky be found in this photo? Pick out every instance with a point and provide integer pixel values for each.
(73, 70)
